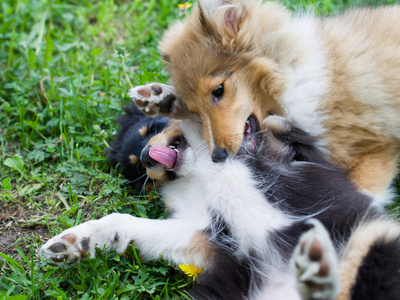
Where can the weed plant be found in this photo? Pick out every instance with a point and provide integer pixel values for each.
(64, 67)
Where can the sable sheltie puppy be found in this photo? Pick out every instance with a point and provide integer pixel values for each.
(234, 62)
(241, 221)
(136, 129)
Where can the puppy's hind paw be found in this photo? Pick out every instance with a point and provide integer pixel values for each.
(316, 265)
(154, 99)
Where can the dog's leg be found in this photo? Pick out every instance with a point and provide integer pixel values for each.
(316, 265)
(369, 268)
(157, 99)
(172, 238)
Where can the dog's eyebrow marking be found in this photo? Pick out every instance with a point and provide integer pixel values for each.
(234, 86)
(226, 75)
(133, 159)
(143, 131)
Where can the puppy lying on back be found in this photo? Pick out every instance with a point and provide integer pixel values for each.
(234, 62)
(241, 221)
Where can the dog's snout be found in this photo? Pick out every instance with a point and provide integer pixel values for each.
(219, 155)
(147, 161)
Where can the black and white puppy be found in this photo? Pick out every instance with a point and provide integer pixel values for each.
(276, 222)
(136, 129)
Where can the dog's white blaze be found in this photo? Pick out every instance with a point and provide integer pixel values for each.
(308, 82)
(212, 144)
(232, 193)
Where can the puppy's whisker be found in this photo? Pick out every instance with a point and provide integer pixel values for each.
(143, 189)
(200, 152)
(155, 189)
(137, 179)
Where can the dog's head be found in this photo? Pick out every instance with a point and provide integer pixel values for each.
(136, 129)
(171, 153)
(227, 61)
(176, 151)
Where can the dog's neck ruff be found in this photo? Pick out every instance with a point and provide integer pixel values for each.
(308, 82)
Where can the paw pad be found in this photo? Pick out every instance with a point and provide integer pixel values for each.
(57, 247)
(154, 98)
(66, 248)
(316, 264)
(144, 92)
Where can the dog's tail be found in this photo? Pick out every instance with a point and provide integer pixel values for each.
(370, 266)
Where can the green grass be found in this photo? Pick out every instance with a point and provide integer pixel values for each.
(62, 84)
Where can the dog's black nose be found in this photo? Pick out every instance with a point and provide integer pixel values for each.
(219, 155)
(147, 161)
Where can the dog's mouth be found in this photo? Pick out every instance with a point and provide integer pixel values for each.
(170, 156)
(251, 134)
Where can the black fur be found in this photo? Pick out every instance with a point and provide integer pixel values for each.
(229, 277)
(300, 181)
(296, 178)
(130, 142)
(379, 275)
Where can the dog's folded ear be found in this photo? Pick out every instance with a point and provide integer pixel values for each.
(286, 141)
(222, 19)
(273, 128)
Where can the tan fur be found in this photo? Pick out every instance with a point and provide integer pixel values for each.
(150, 186)
(133, 159)
(162, 139)
(254, 49)
(143, 131)
(375, 170)
(199, 249)
(364, 103)
(358, 247)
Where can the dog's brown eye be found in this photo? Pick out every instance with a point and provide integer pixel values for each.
(218, 93)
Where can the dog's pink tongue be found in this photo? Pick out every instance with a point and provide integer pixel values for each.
(163, 155)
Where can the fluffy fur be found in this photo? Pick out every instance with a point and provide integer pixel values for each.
(241, 221)
(334, 77)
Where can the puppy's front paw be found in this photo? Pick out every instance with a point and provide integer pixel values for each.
(154, 98)
(316, 265)
(70, 246)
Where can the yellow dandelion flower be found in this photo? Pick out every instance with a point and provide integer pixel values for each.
(184, 6)
(191, 270)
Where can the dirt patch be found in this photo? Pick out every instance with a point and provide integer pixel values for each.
(13, 226)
